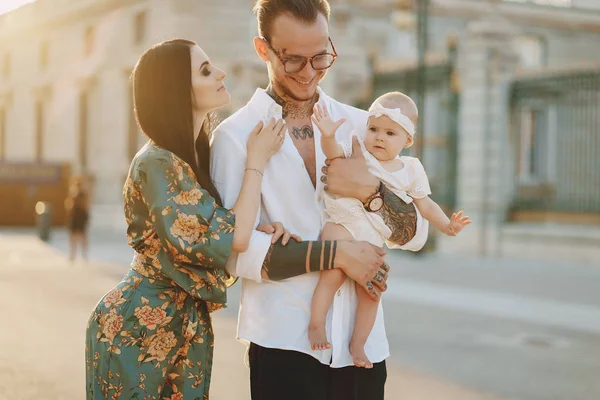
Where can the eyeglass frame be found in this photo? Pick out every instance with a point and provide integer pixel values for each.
(306, 59)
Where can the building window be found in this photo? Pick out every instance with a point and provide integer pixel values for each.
(6, 65)
(534, 146)
(83, 129)
(44, 49)
(89, 40)
(139, 35)
(532, 51)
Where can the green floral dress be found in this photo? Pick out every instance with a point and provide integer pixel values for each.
(151, 336)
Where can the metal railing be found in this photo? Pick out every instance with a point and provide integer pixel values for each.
(555, 137)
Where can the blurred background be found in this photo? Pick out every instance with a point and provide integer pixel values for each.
(509, 131)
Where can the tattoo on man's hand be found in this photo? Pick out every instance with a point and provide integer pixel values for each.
(385, 267)
(371, 288)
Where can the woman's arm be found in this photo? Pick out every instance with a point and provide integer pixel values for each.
(246, 208)
(262, 143)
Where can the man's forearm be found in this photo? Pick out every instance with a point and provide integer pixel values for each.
(400, 217)
(295, 259)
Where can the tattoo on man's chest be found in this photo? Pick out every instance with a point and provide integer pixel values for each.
(303, 133)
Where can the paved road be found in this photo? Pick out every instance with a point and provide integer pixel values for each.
(514, 329)
(519, 330)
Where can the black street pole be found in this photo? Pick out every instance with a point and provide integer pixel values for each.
(422, 17)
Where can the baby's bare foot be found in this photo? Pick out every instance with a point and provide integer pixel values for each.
(359, 357)
(317, 337)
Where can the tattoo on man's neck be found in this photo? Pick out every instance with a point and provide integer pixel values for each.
(292, 108)
(306, 132)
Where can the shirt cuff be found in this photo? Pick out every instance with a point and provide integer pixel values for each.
(249, 263)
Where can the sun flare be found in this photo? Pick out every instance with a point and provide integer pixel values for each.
(9, 5)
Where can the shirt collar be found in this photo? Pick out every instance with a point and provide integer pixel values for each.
(265, 106)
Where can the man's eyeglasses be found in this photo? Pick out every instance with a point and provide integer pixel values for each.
(294, 64)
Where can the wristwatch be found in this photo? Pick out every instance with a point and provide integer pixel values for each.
(375, 202)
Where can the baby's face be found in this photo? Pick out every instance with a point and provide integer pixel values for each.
(385, 139)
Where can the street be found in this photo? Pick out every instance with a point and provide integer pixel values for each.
(459, 328)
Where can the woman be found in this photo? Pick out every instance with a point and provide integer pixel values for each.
(151, 336)
(77, 206)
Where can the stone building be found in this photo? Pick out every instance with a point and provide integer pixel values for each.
(65, 93)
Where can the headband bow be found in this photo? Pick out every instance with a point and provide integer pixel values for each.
(395, 114)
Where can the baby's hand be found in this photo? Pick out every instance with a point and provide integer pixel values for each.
(457, 223)
(326, 126)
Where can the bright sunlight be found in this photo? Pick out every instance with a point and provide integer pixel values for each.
(9, 5)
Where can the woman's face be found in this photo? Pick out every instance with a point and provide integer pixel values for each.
(208, 89)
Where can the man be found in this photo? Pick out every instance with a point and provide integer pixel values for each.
(275, 311)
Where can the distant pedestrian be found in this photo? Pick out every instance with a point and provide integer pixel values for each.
(77, 205)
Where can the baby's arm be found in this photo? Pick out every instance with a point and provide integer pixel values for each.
(433, 213)
(331, 148)
(328, 128)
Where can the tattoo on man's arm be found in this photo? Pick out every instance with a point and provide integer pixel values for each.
(400, 217)
(295, 259)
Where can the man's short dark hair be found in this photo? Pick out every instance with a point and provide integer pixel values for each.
(305, 10)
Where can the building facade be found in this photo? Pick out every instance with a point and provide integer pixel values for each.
(65, 96)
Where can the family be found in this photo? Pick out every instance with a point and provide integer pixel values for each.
(295, 193)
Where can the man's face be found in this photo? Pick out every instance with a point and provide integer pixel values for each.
(293, 38)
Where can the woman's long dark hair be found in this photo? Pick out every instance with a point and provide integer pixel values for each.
(162, 95)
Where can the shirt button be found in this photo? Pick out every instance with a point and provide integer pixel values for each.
(339, 292)
(320, 198)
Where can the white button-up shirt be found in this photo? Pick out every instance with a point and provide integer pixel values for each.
(277, 314)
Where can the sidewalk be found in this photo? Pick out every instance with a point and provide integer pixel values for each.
(45, 303)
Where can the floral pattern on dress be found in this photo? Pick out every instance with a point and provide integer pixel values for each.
(151, 336)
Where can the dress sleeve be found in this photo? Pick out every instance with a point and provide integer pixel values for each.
(346, 147)
(420, 184)
(193, 230)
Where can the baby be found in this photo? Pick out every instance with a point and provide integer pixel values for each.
(390, 128)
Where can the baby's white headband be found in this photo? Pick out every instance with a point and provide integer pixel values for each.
(395, 114)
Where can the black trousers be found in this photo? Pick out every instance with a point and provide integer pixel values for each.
(289, 375)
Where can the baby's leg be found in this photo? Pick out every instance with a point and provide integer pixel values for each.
(329, 282)
(365, 319)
